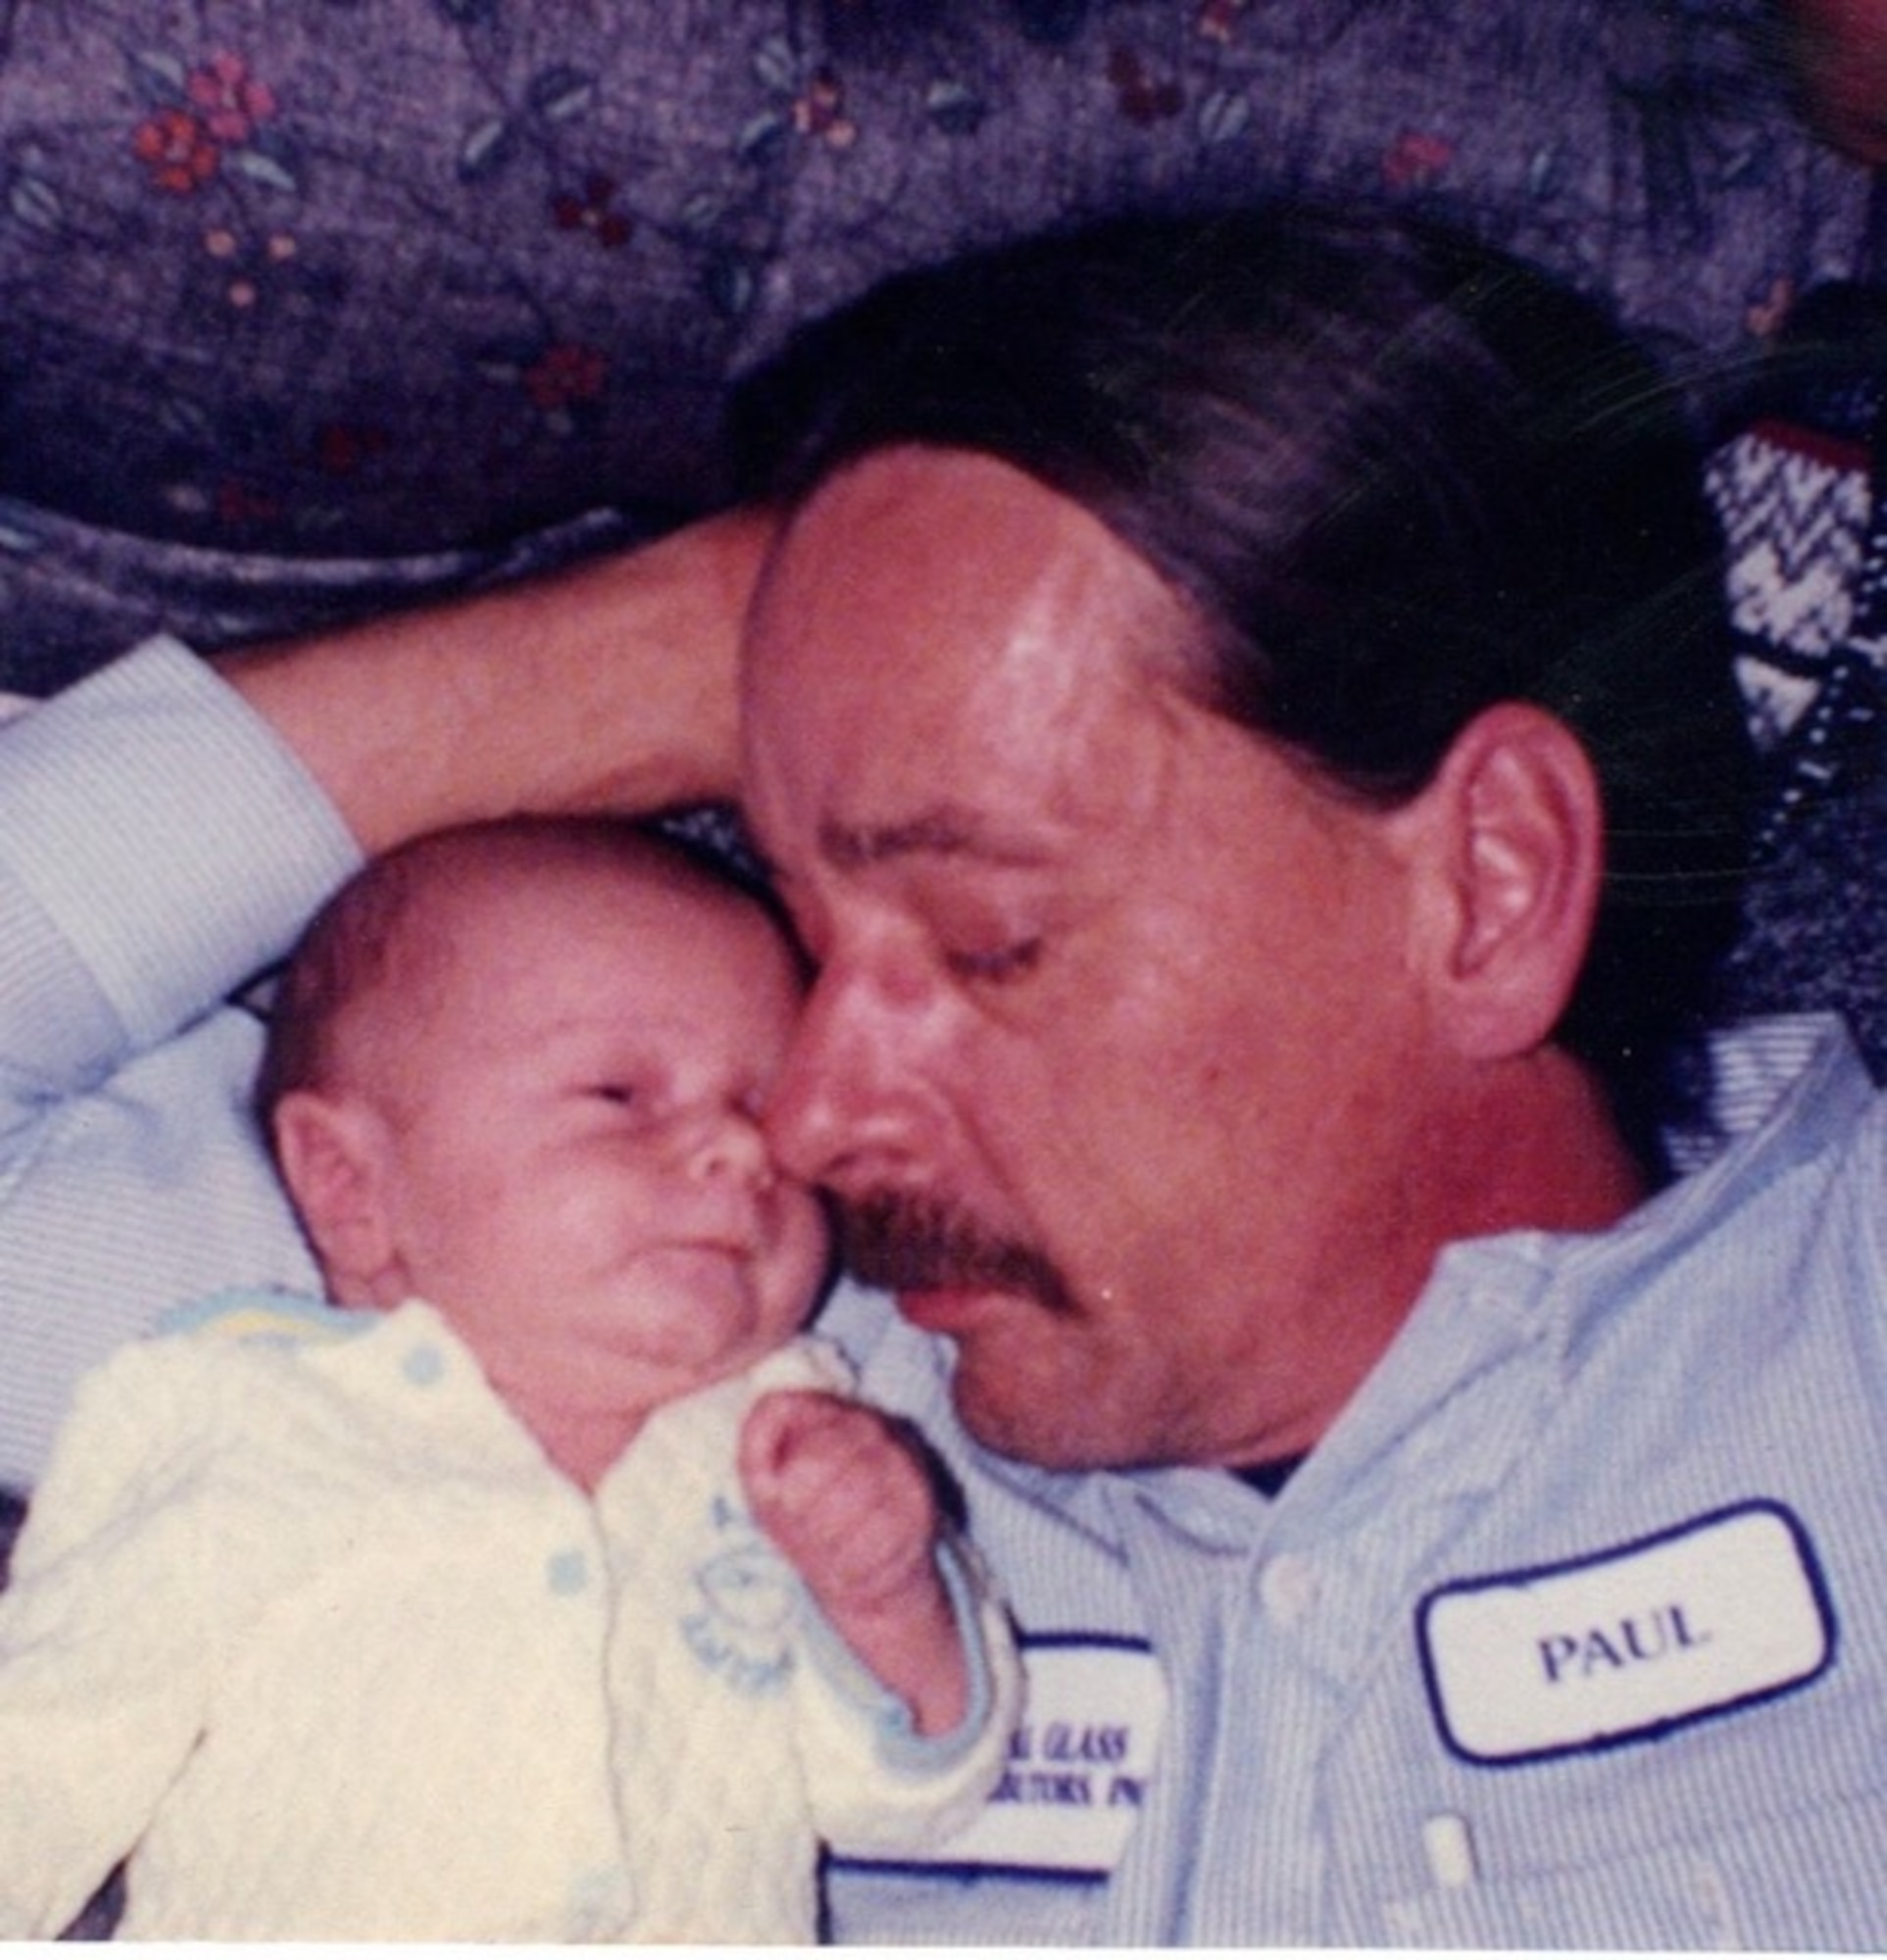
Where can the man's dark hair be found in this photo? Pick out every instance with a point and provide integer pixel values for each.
(1400, 477)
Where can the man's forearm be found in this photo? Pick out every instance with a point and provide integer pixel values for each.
(610, 686)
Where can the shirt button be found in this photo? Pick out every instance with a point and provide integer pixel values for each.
(1713, 1905)
(1287, 1587)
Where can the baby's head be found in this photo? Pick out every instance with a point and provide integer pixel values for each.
(516, 1070)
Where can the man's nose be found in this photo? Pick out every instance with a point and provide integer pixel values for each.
(847, 1108)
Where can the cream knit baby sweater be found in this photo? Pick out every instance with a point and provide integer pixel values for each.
(304, 1621)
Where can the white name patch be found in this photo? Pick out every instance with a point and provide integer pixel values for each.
(1078, 1765)
(1717, 1613)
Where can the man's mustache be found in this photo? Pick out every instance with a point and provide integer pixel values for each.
(913, 1244)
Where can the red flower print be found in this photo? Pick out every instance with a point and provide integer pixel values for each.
(343, 448)
(565, 373)
(1142, 99)
(250, 265)
(230, 101)
(591, 212)
(177, 149)
(819, 110)
(1416, 159)
(237, 505)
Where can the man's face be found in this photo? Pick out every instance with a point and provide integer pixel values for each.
(1113, 1058)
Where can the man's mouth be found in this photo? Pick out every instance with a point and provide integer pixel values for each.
(915, 1245)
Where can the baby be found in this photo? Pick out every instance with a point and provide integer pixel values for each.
(543, 1583)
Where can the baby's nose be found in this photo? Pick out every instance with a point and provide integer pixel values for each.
(728, 1144)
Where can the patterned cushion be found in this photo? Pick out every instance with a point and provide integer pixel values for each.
(314, 305)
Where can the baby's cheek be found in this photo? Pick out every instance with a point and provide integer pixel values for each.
(803, 1242)
(605, 1214)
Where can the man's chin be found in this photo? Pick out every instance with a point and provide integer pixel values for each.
(997, 1386)
(1005, 1417)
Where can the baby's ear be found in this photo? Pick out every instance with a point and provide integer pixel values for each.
(331, 1149)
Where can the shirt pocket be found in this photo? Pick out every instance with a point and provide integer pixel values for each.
(1807, 1879)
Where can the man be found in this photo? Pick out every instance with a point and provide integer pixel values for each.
(1001, 747)
(1236, 714)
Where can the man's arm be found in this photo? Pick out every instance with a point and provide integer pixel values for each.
(607, 687)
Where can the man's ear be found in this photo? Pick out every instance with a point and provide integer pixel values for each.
(333, 1159)
(1515, 833)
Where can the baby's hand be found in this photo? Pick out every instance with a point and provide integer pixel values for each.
(845, 1498)
(841, 1493)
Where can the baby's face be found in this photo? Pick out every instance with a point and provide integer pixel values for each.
(574, 1171)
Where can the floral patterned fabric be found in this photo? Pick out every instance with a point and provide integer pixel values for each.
(314, 304)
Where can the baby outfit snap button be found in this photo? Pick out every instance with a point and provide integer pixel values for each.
(424, 1365)
(567, 1572)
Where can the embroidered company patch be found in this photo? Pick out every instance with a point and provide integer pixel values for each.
(1717, 1613)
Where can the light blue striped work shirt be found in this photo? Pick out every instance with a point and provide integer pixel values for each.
(1572, 1631)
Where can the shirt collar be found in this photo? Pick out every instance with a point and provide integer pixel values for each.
(1520, 1304)
(1514, 1304)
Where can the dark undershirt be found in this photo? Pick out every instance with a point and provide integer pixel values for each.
(1269, 1479)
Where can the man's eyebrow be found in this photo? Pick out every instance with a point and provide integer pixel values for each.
(946, 830)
